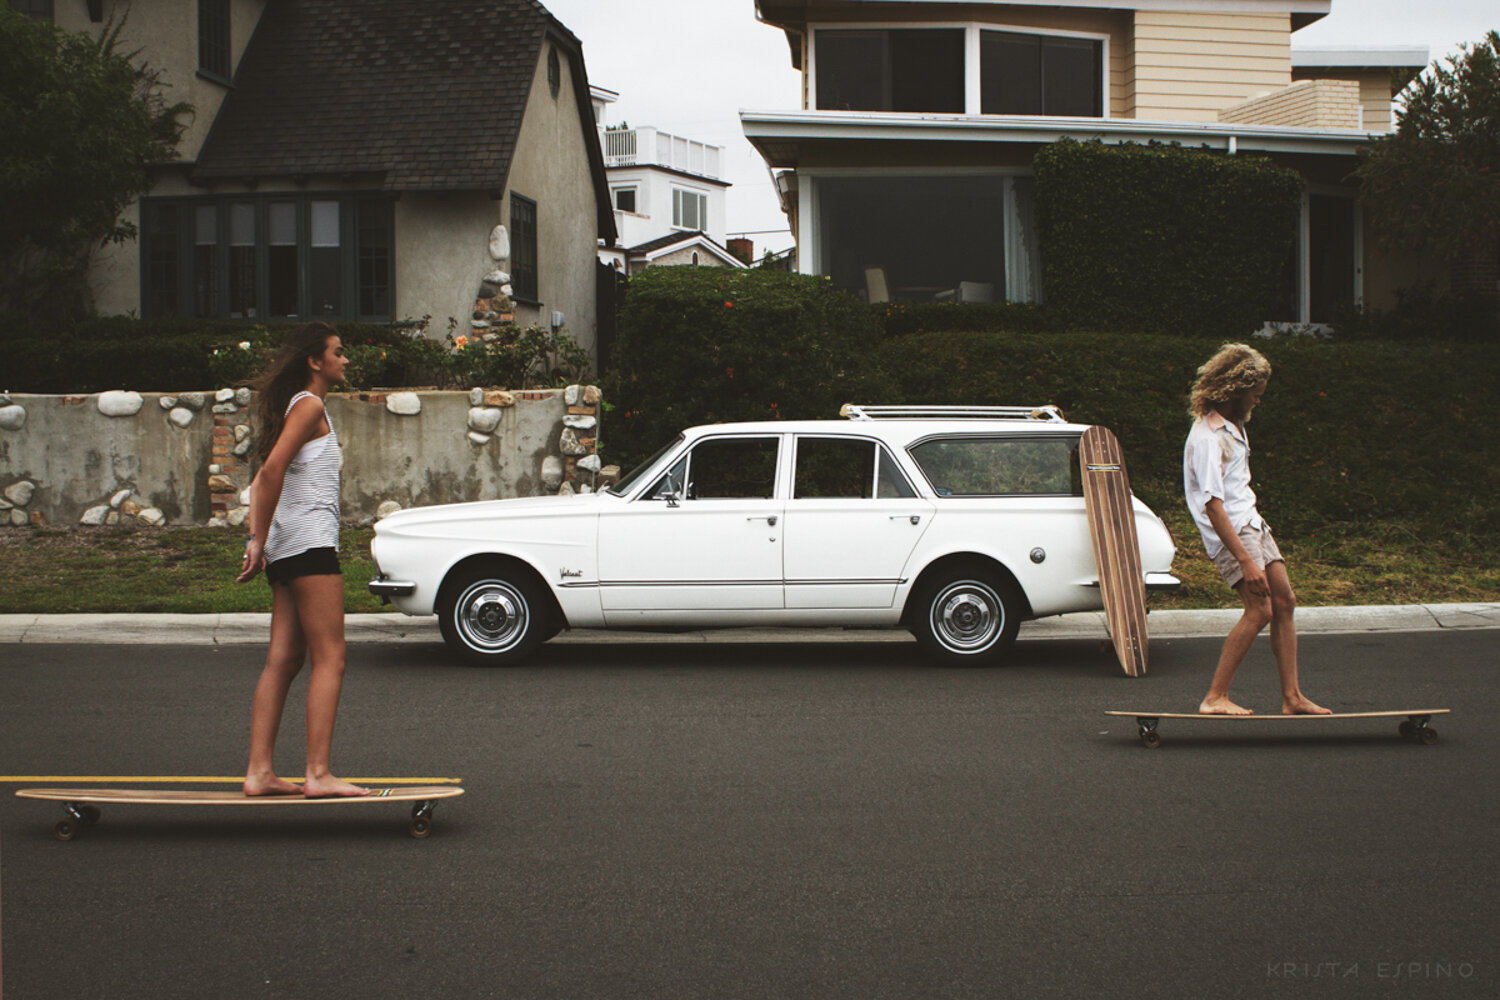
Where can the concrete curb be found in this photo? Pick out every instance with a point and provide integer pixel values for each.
(243, 629)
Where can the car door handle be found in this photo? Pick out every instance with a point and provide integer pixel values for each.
(768, 518)
(914, 518)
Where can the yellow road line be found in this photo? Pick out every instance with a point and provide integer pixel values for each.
(9, 779)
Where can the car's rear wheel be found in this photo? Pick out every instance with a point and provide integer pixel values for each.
(493, 615)
(967, 617)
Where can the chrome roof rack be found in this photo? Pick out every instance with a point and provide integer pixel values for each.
(1049, 413)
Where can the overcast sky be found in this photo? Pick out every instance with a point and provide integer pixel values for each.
(689, 66)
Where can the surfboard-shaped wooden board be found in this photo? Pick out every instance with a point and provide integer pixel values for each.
(1117, 551)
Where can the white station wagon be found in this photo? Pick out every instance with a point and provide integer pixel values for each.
(957, 523)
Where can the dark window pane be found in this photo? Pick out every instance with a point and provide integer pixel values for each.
(281, 258)
(206, 260)
(523, 252)
(852, 71)
(213, 37)
(1010, 68)
(927, 71)
(1023, 74)
(891, 70)
(737, 468)
(161, 260)
(999, 466)
(834, 467)
(325, 261)
(374, 239)
(242, 276)
(40, 9)
(625, 199)
(1070, 77)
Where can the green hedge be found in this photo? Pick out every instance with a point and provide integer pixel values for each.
(171, 355)
(702, 345)
(1162, 238)
(1349, 433)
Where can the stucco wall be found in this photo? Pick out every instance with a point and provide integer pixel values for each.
(442, 255)
(187, 458)
(551, 168)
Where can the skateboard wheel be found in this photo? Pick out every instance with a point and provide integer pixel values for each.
(1408, 728)
(64, 829)
(1151, 739)
(89, 814)
(1427, 735)
(421, 827)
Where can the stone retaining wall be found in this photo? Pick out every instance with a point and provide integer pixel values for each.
(187, 458)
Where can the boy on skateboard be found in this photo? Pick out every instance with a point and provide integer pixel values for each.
(1216, 481)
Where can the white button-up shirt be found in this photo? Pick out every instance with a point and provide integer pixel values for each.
(1216, 465)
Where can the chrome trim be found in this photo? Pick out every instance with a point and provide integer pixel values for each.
(1162, 582)
(382, 587)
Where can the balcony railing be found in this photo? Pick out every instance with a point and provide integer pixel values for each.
(645, 146)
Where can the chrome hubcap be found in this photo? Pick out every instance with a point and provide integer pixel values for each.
(492, 615)
(967, 616)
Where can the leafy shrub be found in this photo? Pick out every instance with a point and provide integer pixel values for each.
(517, 358)
(702, 345)
(898, 318)
(1162, 238)
(1353, 434)
(174, 354)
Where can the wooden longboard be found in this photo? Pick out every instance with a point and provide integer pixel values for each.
(1117, 550)
(1414, 728)
(82, 804)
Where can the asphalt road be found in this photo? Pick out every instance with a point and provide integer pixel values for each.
(765, 821)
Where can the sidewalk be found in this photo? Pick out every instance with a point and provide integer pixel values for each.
(240, 629)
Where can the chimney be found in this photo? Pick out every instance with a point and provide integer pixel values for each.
(743, 249)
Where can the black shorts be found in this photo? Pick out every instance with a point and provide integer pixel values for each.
(313, 562)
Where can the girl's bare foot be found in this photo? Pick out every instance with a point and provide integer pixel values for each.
(328, 787)
(1222, 706)
(1300, 705)
(270, 785)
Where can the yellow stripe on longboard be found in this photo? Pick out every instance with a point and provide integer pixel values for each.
(26, 779)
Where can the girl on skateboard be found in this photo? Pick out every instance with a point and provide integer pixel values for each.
(294, 537)
(1216, 480)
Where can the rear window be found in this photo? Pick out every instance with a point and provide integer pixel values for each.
(1008, 466)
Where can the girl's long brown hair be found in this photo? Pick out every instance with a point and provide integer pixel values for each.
(286, 376)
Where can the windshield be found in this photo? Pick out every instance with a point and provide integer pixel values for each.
(627, 482)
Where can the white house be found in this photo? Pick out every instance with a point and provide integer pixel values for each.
(667, 195)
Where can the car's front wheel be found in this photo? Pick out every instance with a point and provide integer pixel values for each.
(967, 618)
(492, 616)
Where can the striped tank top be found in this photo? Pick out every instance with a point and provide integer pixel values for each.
(307, 515)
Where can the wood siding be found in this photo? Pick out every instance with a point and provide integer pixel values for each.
(1189, 66)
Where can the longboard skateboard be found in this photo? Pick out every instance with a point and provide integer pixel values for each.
(82, 804)
(1415, 727)
(1117, 550)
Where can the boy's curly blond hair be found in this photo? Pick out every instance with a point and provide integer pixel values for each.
(1235, 368)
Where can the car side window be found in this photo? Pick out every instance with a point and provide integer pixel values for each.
(722, 469)
(1014, 466)
(846, 468)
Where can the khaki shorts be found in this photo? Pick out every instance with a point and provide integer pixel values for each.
(1261, 546)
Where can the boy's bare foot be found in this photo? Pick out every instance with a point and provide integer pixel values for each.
(270, 785)
(1301, 705)
(1222, 706)
(328, 787)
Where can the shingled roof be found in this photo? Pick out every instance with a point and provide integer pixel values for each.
(426, 94)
